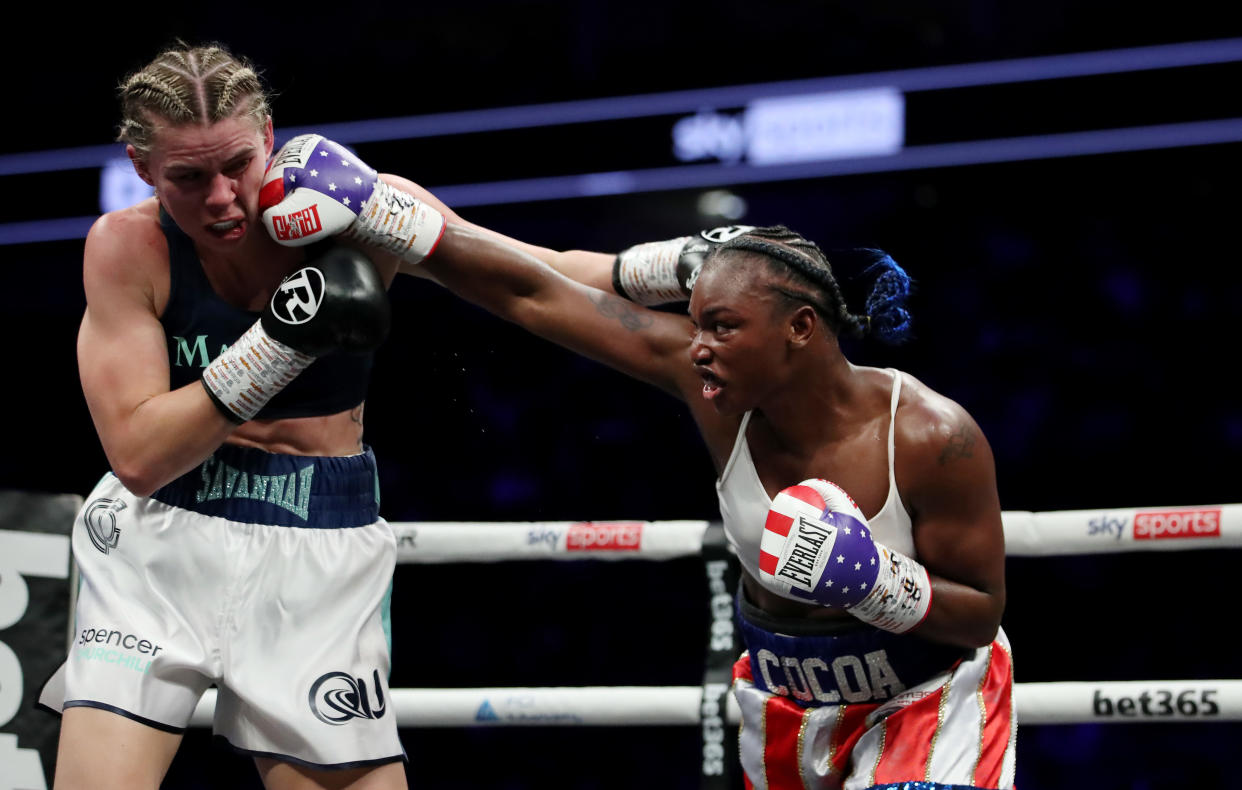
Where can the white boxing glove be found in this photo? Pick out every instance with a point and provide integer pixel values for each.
(315, 188)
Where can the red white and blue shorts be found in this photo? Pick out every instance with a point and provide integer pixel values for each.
(859, 708)
(265, 575)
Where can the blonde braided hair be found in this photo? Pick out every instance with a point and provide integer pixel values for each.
(187, 85)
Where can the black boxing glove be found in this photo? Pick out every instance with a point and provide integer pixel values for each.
(659, 272)
(337, 301)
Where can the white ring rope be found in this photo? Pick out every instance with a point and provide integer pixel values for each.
(1115, 702)
(1027, 534)
(1031, 534)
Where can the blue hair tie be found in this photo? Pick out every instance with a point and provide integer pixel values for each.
(887, 317)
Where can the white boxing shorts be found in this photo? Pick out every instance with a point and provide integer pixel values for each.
(839, 705)
(266, 575)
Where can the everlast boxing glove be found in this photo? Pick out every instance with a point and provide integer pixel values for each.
(817, 546)
(315, 188)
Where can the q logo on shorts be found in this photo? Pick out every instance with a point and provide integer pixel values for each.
(299, 295)
(337, 697)
(100, 520)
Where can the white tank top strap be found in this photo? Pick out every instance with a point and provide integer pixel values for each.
(892, 525)
(892, 431)
(739, 446)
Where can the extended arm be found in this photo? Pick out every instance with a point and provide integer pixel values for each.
(303, 201)
(515, 284)
(592, 269)
(652, 273)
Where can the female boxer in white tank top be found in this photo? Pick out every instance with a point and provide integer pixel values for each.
(759, 364)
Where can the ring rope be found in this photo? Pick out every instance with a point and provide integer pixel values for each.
(1027, 534)
(1111, 702)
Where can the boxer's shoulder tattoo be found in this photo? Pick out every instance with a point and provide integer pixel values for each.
(632, 317)
(960, 444)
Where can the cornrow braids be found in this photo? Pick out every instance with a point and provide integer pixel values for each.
(185, 85)
(811, 280)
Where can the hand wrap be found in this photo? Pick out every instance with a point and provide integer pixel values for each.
(658, 272)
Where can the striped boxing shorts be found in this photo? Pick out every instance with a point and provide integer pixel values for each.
(840, 704)
(265, 575)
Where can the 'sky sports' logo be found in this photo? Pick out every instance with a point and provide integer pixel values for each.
(597, 536)
(1161, 524)
(337, 697)
(100, 520)
(298, 224)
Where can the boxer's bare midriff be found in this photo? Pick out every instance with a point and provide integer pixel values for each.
(780, 606)
(331, 434)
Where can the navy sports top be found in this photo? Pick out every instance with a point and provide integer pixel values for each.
(199, 324)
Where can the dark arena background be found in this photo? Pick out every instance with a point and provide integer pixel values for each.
(1061, 178)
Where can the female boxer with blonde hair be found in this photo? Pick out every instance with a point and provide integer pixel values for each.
(237, 540)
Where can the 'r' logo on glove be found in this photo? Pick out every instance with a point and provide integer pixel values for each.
(297, 298)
